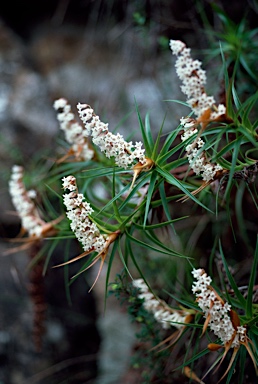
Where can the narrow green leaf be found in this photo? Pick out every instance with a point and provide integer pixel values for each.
(116, 197)
(238, 294)
(142, 180)
(247, 68)
(169, 140)
(179, 102)
(228, 147)
(248, 135)
(49, 254)
(184, 303)
(239, 213)
(150, 234)
(255, 329)
(129, 218)
(249, 300)
(130, 251)
(67, 169)
(148, 130)
(247, 106)
(194, 358)
(150, 247)
(235, 97)
(172, 180)
(147, 144)
(110, 262)
(232, 370)
(123, 260)
(233, 165)
(242, 361)
(116, 211)
(252, 322)
(157, 142)
(54, 192)
(164, 201)
(100, 172)
(230, 110)
(151, 189)
(165, 156)
(159, 225)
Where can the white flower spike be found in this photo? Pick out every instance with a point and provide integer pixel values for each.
(125, 153)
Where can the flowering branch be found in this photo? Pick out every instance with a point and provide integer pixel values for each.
(23, 202)
(125, 153)
(78, 212)
(204, 107)
(162, 313)
(196, 156)
(221, 319)
(194, 78)
(87, 232)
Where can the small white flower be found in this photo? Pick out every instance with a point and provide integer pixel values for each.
(69, 183)
(176, 46)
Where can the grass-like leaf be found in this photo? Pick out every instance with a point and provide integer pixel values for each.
(163, 157)
(246, 108)
(232, 282)
(159, 225)
(232, 369)
(230, 110)
(164, 200)
(151, 189)
(157, 142)
(100, 172)
(168, 142)
(172, 180)
(150, 234)
(233, 165)
(169, 252)
(123, 259)
(50, 251)
(145, 134)
(194, 358)
(249, 299)
(247, 135)
(131, 253)
(235, 97)
(110, 262)
(148, 130)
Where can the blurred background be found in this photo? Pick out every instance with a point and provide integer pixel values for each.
(108, 54)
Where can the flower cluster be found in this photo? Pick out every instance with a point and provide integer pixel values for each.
(78, 211)
(125, 153)
(194, 78)
(24, 204)
(74, 132)
(217, 312)
(161, 312)
(196, 156)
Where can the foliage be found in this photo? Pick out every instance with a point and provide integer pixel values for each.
(162, 221)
